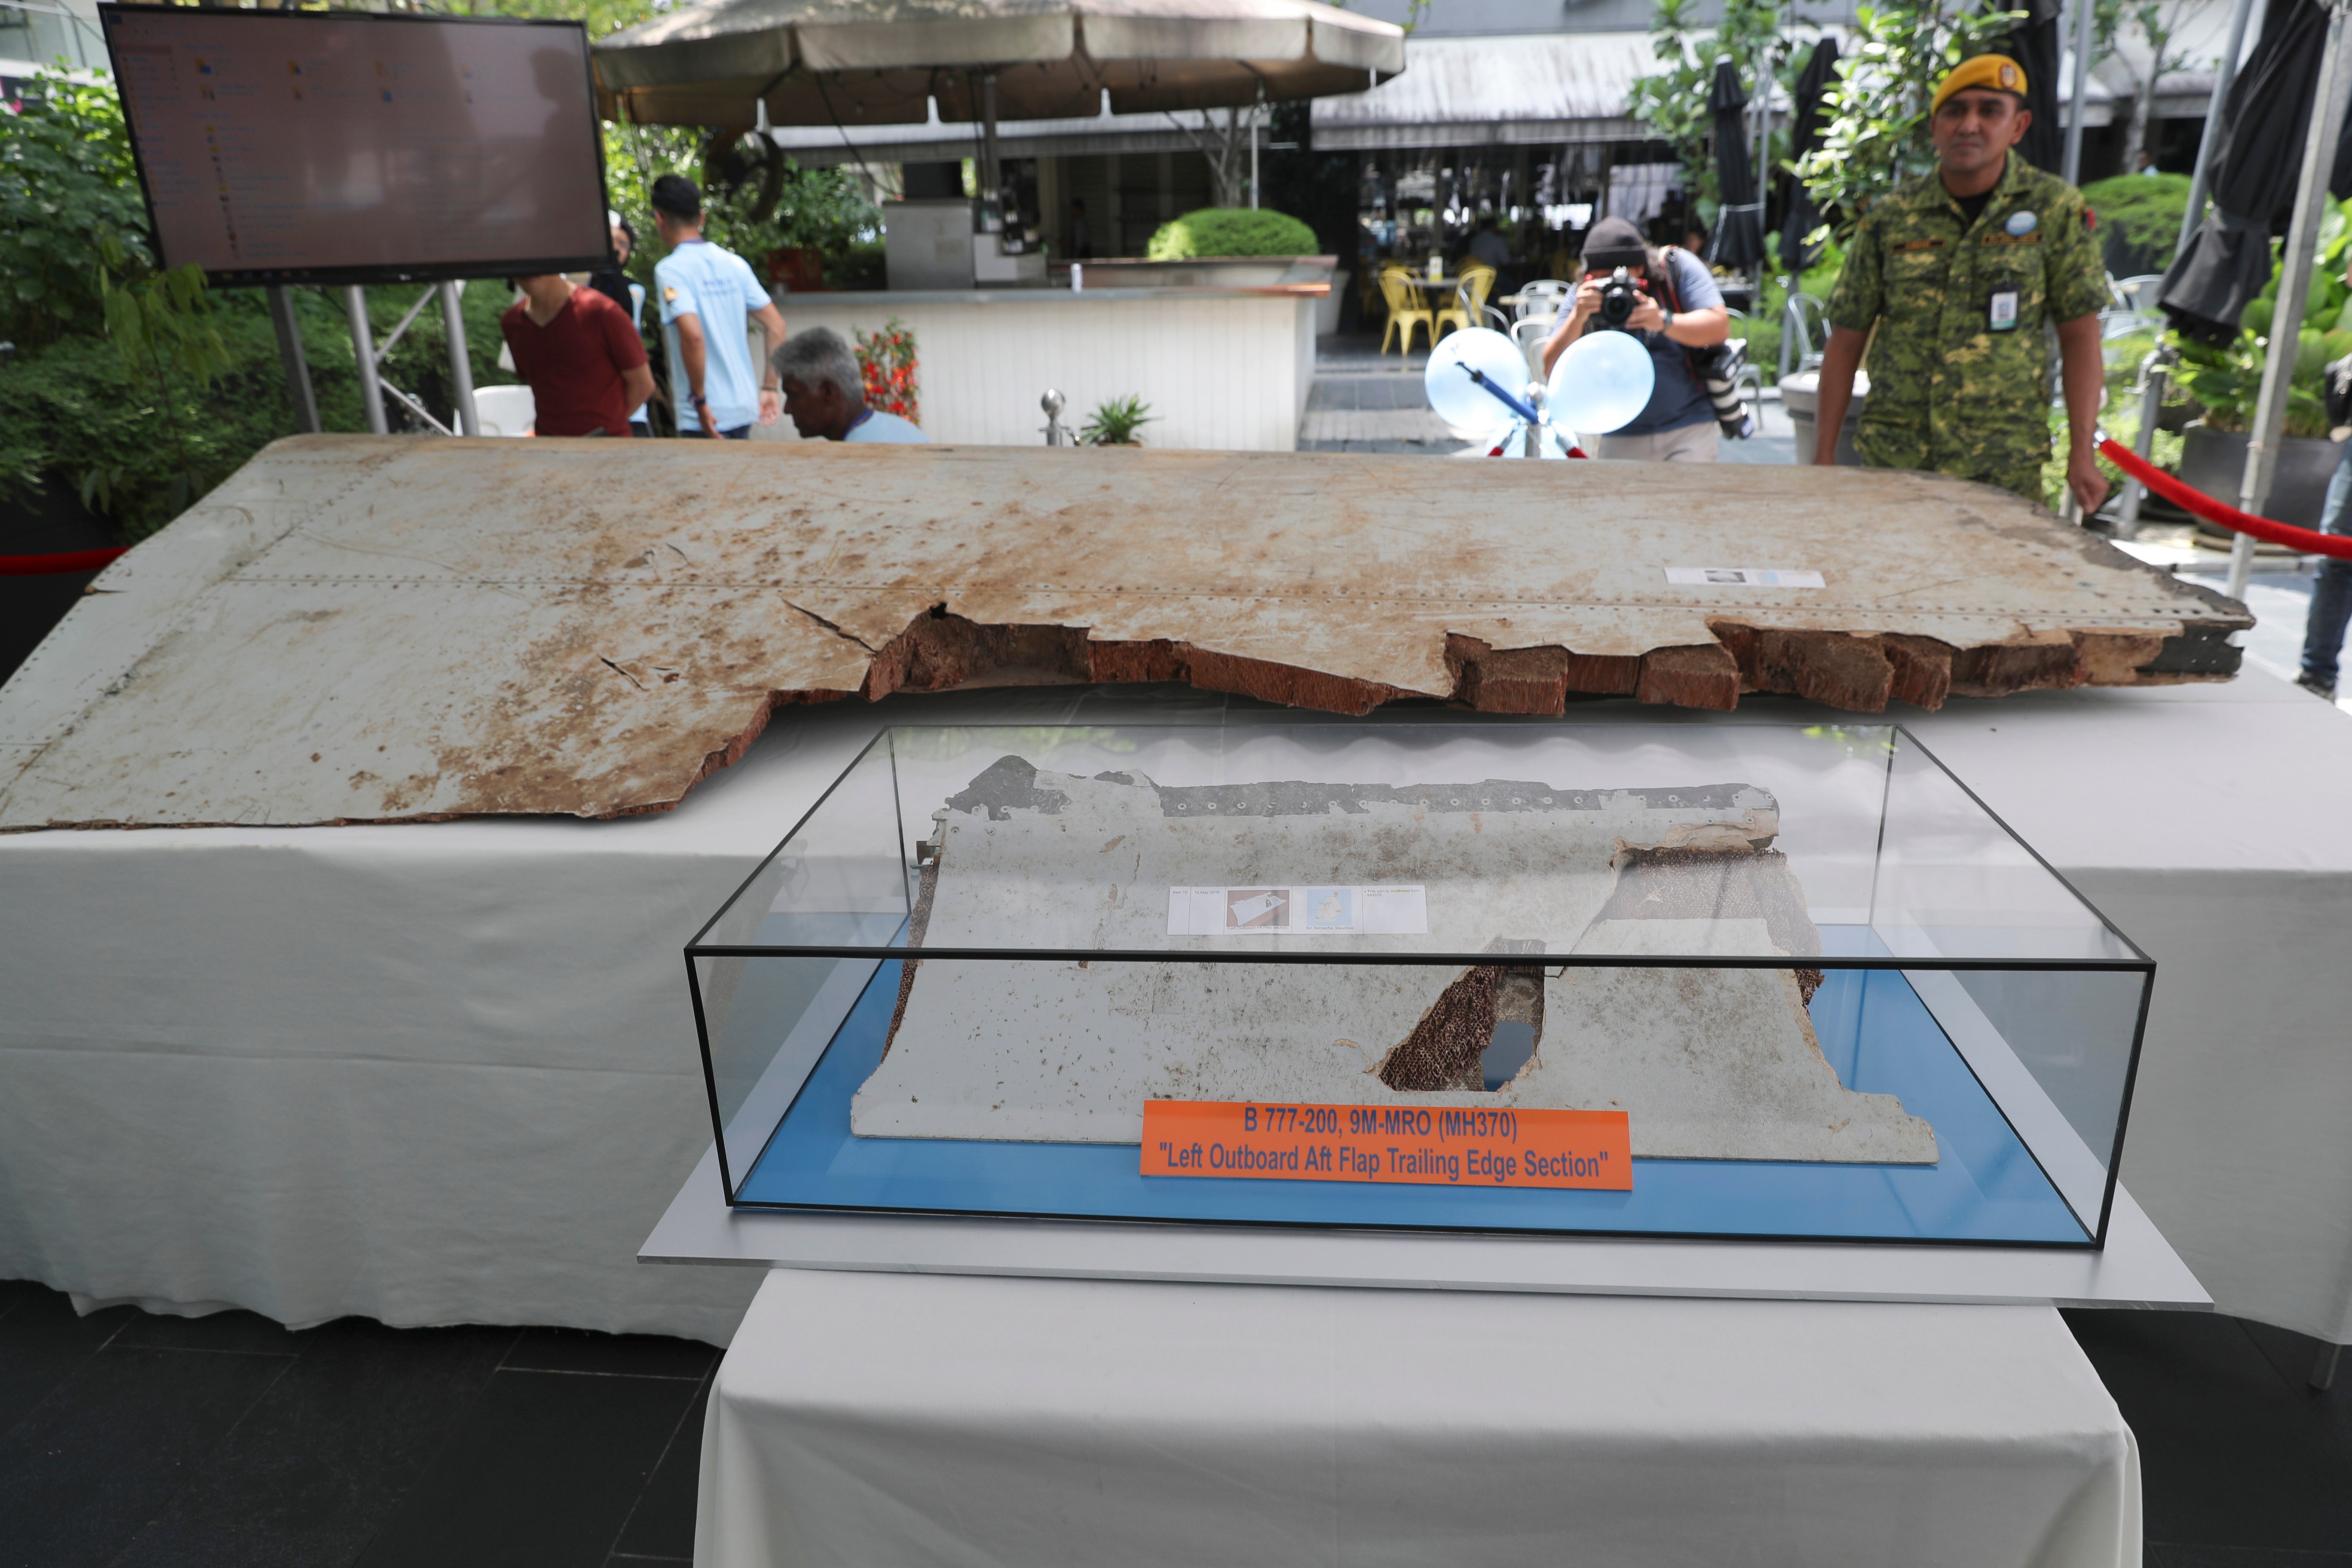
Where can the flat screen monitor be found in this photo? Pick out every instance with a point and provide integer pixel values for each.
(355, 147)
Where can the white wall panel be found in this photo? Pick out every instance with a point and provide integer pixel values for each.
(1221, 371)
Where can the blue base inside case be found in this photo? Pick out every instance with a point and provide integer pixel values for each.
(1874, 1029)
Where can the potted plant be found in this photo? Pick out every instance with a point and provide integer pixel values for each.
(2228, 382)
(1114, 422)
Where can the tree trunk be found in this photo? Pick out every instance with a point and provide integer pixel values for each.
(1227, 147)
(2135, 132)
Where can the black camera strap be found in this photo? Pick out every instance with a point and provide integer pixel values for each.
(1716, 368)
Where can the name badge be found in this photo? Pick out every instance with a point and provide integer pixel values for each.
(2002, 317)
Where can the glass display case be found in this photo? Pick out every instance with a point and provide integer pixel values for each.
(1739, 981)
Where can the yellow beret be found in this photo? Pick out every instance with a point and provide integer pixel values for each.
(1998, 72)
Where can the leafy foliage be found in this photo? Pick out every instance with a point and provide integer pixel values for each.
(1875, 137)
(1230, 231)
(600, 17)
(1115, 422)
(2228, 381)
(139, 448)
(820, 209)
(1673, 102)
(886, 360)
(67, 190)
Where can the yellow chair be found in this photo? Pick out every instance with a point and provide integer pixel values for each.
(1469, 307)
(1406, 309)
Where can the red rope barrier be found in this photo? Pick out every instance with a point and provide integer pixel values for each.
(2308, 541)
(44, 565)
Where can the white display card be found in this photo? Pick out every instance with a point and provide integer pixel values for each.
(1740, 577)
(1300, 911)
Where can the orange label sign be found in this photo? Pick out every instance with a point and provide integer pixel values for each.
(1440, 1145)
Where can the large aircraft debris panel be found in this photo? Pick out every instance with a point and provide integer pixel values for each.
(362, 629)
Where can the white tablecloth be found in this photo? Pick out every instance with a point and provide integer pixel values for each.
(869, 1419)
(431, 1073)
(2213, 825)
(445, 1072)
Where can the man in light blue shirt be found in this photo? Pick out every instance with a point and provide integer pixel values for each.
(826, 393)
(707, 292)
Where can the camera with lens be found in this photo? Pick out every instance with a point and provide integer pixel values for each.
(1618, 298)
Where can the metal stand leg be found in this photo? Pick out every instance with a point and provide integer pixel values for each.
(2155, 371)
(461, 367)
(364, 356)
(2323, 1370)
(289, 353)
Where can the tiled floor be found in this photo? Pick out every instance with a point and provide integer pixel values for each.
(145, 1441)
(228, 1442)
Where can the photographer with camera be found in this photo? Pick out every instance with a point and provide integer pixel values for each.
(1666, 297)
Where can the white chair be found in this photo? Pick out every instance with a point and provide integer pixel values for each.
(2131, 305)
(1532, 332)
(505, 410)
(1804, 334)
(1545, 296)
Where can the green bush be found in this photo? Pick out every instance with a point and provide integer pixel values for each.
(2140, 220)
(1230, 231)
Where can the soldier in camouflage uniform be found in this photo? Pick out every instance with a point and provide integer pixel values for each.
(1958, 271)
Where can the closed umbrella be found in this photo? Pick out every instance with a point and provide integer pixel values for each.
(1738, 241)
(1808, 118)
(2035, 44)
(2256, 165)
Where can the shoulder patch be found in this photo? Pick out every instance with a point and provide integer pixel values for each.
(669, 296)
(2090, 220)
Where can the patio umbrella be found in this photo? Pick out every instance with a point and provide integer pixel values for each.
(2035, 45)
(1737, 243)
(2255, 168)
(882, 62)
(1808, 118)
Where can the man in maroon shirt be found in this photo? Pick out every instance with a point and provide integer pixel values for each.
(582, 355)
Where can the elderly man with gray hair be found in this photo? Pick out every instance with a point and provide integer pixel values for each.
(826, 393)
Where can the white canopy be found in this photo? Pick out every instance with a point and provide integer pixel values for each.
(876, 62)
(1517, 92)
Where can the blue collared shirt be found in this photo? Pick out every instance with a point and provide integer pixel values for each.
(713, 284)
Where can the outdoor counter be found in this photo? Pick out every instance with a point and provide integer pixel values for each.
(1222, 368)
